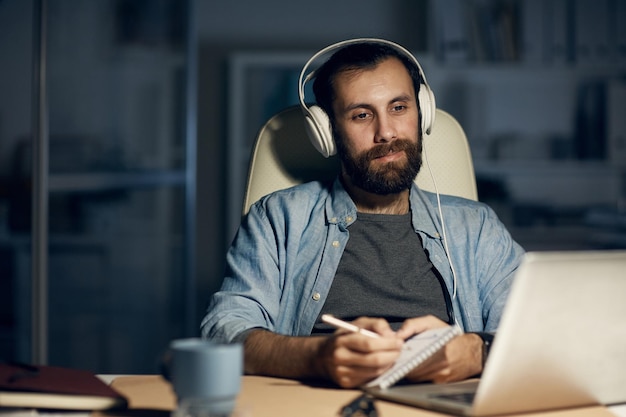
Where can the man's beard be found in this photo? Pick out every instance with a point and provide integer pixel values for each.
(384, 179)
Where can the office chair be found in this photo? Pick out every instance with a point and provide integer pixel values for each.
(283, 157)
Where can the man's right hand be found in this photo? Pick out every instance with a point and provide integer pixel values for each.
(348, 359)
(352, 359)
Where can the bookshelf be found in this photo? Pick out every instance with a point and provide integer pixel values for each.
(539, 87)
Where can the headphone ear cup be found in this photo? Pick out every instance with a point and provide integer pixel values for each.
(427, 104)
(317, 124)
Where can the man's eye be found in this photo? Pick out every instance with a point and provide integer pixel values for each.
(360, 116)
(399, 107)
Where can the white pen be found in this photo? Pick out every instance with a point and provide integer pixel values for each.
(334, 321)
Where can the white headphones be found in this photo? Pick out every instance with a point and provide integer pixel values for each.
(317, 121)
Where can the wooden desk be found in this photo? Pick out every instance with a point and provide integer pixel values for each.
(275, 397)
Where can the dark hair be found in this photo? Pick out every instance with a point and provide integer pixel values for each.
(358, 56)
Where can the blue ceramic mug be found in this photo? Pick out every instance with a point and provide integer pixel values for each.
(206, 376)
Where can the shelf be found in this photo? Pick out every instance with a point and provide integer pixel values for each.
(557, 184)
(512, 71)
(105, 181)
(545, 167)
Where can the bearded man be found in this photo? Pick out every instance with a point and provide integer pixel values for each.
(367, 247)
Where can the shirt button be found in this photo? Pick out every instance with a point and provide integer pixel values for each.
(336, 244)
(316, 296)
(349, 218)
(333, 220)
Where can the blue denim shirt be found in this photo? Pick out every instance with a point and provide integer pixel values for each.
(284, 257)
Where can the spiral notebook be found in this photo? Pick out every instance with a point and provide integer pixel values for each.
(415, 351)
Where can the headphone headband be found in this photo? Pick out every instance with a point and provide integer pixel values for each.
(318, 122)
(304, 77)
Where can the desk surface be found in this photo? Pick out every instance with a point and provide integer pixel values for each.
(274, 397)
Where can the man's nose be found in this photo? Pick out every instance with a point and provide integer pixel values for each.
(385, 129)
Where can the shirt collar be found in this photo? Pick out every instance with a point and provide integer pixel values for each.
(425, 216)
(341, 210)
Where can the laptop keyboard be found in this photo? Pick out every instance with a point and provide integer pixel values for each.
(461, 397)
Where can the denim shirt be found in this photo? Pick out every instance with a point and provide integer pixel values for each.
(283, 260)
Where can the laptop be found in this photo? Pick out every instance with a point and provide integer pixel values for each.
(561, 342)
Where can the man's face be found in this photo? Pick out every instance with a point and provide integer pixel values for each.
(376, 127)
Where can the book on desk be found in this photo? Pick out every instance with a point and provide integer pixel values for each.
(50, 387)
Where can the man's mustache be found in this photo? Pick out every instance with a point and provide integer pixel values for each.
(387, 148)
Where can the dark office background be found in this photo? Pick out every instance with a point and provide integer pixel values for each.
(146, 110)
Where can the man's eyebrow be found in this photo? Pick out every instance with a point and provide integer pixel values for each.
(354, 106)
(403, 97)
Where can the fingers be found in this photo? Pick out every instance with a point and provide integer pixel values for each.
(377, 325)
(436, 369)
(353, 368)
(351, 359)
(461, 358)
(418, 325)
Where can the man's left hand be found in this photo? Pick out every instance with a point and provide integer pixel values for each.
(459, 359)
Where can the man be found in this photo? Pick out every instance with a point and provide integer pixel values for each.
(367, 247)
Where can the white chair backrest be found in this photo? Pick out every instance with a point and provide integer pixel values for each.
(283, 157)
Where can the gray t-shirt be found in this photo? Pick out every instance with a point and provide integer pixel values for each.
(384, 272)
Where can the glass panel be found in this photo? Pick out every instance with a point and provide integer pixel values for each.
(114, 74)
(116, 208)
(116, 286)
(16, 19)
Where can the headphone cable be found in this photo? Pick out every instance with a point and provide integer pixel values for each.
(443, 223)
